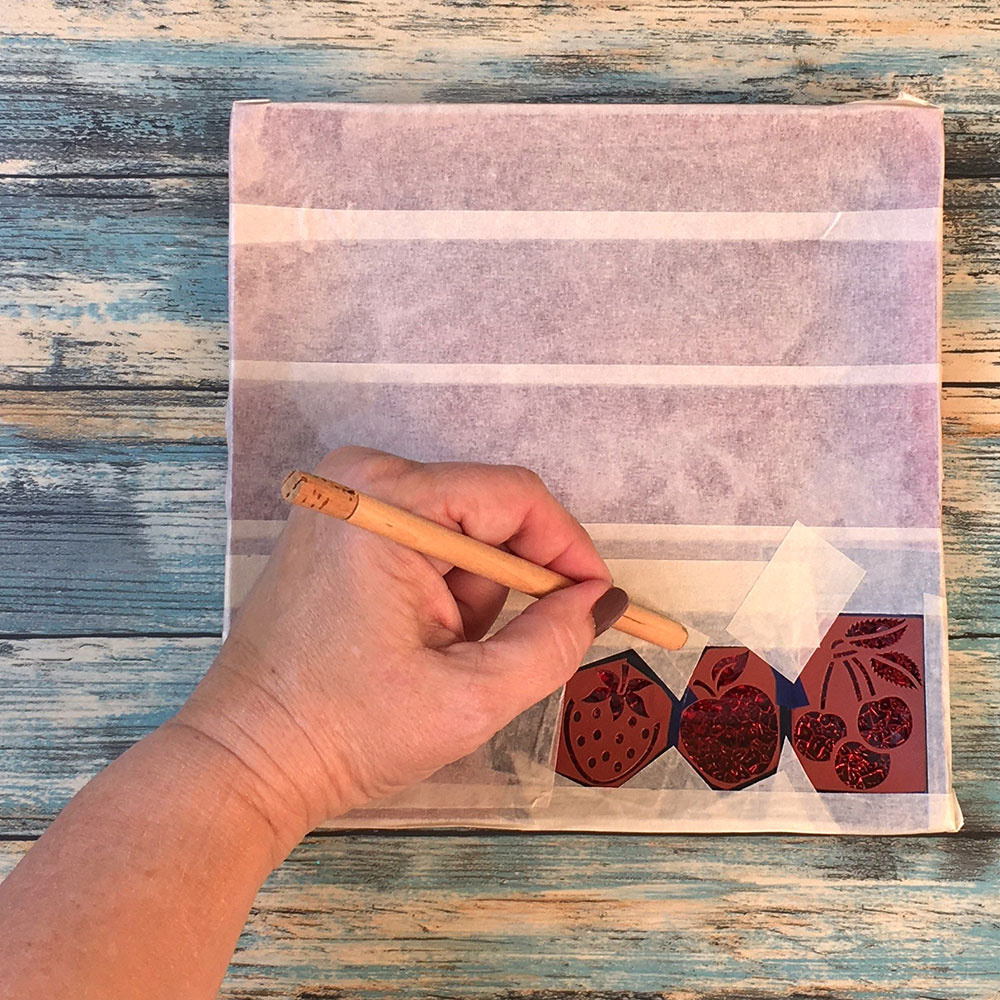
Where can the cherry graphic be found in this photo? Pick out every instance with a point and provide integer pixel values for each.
(616, 720)
(730, 733)
(863, 728)
(885, 724)
(817, 733)
(861, 768)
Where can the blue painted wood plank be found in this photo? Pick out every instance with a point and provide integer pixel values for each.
(622, 918)
(143, 105)
(68, 707)
(113, 282)
(112, 514)
(735, 918)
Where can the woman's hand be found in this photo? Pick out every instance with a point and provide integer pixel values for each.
(354, 667)
(352, 670)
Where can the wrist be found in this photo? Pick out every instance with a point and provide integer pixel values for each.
(258, 743)
(227, 788)
(178, 772)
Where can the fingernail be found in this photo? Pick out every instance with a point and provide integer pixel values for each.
(608, 608)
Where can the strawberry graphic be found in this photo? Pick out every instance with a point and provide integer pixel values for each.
(863, 729)
(616, 719)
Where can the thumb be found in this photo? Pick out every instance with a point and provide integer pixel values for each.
(541, 648)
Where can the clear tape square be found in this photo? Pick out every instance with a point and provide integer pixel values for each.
(795, 600)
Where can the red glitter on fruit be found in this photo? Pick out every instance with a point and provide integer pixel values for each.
(817, 733)
(619, 690)
(730, 734)
(860, 768)
(861, 729)
(733, 738)
(864, 726)
(885, 724)
(610, 731)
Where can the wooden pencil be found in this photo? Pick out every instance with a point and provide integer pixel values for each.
(435, 540)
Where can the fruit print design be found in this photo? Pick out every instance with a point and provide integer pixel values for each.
(616, 720)
(864, 727)
(855, 718)
(730, 732)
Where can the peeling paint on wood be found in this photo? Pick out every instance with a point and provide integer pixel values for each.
(112, 514)
(143, 105)
(113, 282)
(805, 28)
(68, 707)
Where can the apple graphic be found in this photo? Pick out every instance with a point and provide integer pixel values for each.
(729, 733)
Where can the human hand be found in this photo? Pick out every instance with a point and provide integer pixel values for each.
(354, 668)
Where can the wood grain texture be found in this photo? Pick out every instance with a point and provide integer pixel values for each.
(113, 282)
(113, 312)
(951, 31)
(604, 918)
(178, 65)
(112, 512)
(69, 707)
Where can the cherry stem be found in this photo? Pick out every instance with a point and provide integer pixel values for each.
(866, 675)
(826, 684)
(854, 680)
(695, 684)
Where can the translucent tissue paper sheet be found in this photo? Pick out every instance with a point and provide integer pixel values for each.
(714, 332)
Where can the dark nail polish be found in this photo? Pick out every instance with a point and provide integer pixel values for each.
(608, 608)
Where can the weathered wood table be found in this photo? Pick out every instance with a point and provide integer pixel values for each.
(113, 121)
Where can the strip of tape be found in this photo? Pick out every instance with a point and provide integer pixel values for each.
(795, 600)
(280, 224)
(937, 694)
(264, 529)
(569, 110)
(681, 810)
(434, 373)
